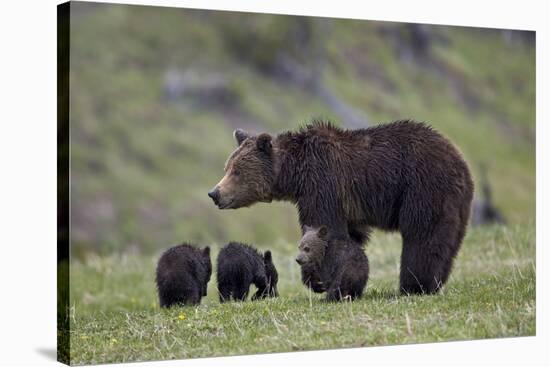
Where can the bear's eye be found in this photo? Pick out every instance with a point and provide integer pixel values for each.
(236, 172)
(306, 249)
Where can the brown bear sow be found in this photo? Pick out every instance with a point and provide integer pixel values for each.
(182, 275)
(338, 267)
(401, 176)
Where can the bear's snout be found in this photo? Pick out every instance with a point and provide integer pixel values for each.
(215, 195)
(299, 260)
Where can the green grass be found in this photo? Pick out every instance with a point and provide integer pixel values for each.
(491, 293)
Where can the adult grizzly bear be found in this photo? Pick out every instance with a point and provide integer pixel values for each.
(399, 176)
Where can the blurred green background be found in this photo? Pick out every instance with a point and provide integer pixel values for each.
(156, 93)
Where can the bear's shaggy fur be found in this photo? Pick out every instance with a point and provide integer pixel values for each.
(336, 266)
(401, 176)
(183, 273)
(241, 265)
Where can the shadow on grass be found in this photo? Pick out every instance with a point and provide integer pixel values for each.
(381, 294)
(376, 294)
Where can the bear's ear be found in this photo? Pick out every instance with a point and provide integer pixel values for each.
(206, 251)
(307, 228)
(322, 232)
(240, 136)
(264, 143)
(267, 257)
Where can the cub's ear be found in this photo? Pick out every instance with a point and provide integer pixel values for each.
(264, 143)
(206, 251)
(240, 136)
(267, 257)
(322, 232)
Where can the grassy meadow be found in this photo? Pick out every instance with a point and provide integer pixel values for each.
(155, 95)
(115, 315)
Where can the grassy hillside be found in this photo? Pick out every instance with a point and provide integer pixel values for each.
(157, 92)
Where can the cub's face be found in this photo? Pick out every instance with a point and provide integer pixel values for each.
(312, 246)
(248, 175)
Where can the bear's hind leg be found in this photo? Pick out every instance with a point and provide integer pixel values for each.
(420, 269)
(432, 235)
(224, 292)
(240, 292)
(426, 261)
(194, 297)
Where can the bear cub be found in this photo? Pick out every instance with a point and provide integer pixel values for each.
(182, 275)
(241, 265)
(338, 267)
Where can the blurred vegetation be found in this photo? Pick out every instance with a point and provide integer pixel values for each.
(156, 93)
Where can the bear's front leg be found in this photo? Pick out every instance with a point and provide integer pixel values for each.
(260, 282)
(334, 294)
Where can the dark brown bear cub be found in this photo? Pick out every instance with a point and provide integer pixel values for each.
(241, 265)
(339, 267)
(182, 276)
